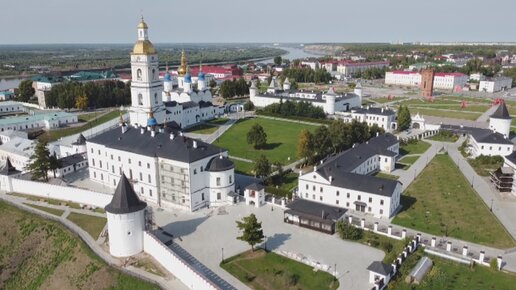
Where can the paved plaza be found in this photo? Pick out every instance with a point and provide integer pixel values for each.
(210, 234)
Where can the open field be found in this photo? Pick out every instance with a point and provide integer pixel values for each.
(444, 113)
(262, 270)
(39, 254)
(91, 224)
(282, 138)
(409, 160)
(54, 135)
(417, 147)
(202, 129)
(447, 274)
(54, 211)
(243, 167)
(385, 100)
(441, 202)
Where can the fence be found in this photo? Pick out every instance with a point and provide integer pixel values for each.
(45, 190)
(187, 274)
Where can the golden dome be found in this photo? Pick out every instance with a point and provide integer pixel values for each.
(181, 71)
(142, 24)
(144, 47)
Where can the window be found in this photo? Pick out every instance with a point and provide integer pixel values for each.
(156, 98)
(100, 163)
(195, 171)
(231, 179)
(337, 201)
(218, 195)
(148, 165)
(91, 150)
(347, 204)
(150, 192)
(94, 174)
(129, 160)
(321, 189)
(202, 169)
(320, 198)
(141, 176)
(381, 201)
(359, 197)
(306, 195)
(111, 156)
(313, 196)
(93, 161)
(381, 211)
(369, 209)
(112, 168)
(140, 99)
(347, 195)
(149, 178)
(102, 177)
(141, 190)
(119, 159)
(337, 193)
(307, 186)
(313, 188)
(202, 196)
(130, 174)
(314, 176)
(218, 181)
(139, 163)
(370, 199)
(139, 74)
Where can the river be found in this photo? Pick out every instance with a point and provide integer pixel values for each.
(292, 53)
(6, 84)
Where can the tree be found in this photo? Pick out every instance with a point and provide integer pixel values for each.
(404, 119)
(349, 232)
(322, 142)
(25, 91)
(376, 130)
(257, 136)
(251, 229)
(305, 146)
(262, 166)
(81, 102)
(54, 164)
(212, 83)
(248, 106)
(277, 60)
(39, 162)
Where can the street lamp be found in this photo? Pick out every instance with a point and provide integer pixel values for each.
(491, 208)
(222, 255)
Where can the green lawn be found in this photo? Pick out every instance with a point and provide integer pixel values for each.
(414, 147)
(202, 129)
(385, 100)
(446, 274)
(87, 117)
(282, 138)
(218, 121)
(261, 270)
(54, 135)
(386, 176)
(441, 202)
(445, 113)
(54, 211)
(93, 225)
(445, 136)
(243, 167)
(409, 160)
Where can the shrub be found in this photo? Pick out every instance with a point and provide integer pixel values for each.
(349, 232)
(493, 264)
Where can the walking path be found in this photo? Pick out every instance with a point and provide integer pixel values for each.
(485, 116)
(165, 283)
(406, 177)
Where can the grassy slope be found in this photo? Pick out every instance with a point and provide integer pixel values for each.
(442, 201)
(418, 147)
(54, 211)
(282, 138)
(36, 253)
(272, 271)
(91, 224)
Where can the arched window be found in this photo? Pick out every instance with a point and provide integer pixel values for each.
(139, 74)
(140, 99)
(156, 98)
(153, 74)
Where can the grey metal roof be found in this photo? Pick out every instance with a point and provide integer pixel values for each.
(8, 168)
(422, 267)
(72, 159)
(501, 112)
(255, 186)
(512, 157)
(189, 104)
(479, 134)
(380, 268)
(180, 148)
(220, 163)
(315, 210)
(125, 199)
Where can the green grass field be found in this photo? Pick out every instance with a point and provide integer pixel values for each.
(446, 274)
(441, 202)
(282, 138)
(202, 129)
(269, 271)
(418, 147)
(243, 167)
(218, 121)
(386, 176)
(93, 225)
(54, 211)
(445, 136)
(409, 160)
(385, 100)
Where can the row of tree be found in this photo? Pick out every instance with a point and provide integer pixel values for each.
(307, 75)
(232, 88)
(336, 137)
(289, 108)
(91, 94)
(372, 73)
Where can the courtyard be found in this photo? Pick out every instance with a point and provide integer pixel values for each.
(217, 225)
(282, 138)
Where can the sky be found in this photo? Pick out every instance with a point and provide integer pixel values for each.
(223, 21)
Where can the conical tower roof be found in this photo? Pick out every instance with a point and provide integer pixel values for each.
(125, 199)
(501, 112)
(8, 168)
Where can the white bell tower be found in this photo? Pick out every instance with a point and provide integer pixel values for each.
(146, 88)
